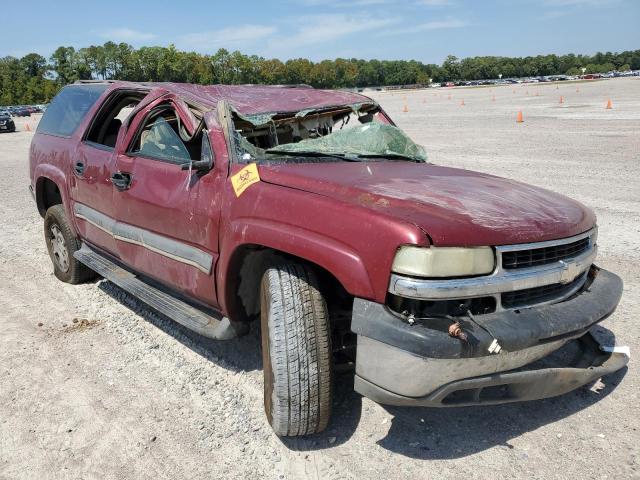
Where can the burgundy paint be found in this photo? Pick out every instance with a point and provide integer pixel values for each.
(455, 207)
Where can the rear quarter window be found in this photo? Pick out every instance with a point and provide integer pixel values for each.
(68, 108)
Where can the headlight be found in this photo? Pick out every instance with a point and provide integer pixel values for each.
(444, 261)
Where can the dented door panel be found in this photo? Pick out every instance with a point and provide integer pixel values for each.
(167, 216)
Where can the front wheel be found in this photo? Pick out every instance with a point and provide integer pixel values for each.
(296, 350)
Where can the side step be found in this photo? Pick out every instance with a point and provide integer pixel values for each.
(194, 319)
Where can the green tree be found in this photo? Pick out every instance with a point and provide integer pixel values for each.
(63, 63)
(452, 68)
(33, 79)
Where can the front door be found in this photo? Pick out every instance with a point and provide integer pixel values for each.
(162, 229)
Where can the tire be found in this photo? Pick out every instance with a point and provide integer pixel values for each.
(62, 244)
(296, 350)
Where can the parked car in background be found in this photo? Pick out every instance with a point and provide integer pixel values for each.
(22, 112)
(309, 212)
(6, 122)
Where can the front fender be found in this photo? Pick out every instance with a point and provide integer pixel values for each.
(334, 256)
(352, 242)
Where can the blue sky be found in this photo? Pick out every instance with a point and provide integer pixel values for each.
(426, 30)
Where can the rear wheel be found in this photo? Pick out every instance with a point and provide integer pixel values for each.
(62, 244)
(296, 350)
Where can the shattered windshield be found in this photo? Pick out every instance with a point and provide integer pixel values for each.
(346, 134)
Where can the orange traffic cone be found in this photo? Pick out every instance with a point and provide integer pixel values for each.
(561, 99)
(405, 109)
(519, 117)
(609, 105)
(462, 102)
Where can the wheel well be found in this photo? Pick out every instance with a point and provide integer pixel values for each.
(47, 195)
(248, 264)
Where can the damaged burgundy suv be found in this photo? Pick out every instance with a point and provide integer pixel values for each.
(310, 210)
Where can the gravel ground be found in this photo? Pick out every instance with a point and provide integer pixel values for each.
(95, 385)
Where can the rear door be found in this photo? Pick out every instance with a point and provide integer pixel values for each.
(92, 194)
(163, 229)
(86, 169)
(91, 185)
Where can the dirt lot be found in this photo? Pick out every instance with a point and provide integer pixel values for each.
(94, 385)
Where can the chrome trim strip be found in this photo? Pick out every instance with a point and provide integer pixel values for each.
(549, 243)
(95, 218)
(82, 217)
(167, 247)
(501, 281)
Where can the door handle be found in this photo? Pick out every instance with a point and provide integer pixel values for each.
(121, 180)
(79, 168)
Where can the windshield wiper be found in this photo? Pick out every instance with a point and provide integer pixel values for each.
(341, 156)
(390, 156)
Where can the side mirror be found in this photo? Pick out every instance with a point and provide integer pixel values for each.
(197, 165)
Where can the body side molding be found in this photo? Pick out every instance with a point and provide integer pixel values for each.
(159, 244)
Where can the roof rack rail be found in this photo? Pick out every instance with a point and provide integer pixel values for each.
(294, 85)
(95, 81)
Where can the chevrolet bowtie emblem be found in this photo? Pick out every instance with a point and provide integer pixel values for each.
(569, 271)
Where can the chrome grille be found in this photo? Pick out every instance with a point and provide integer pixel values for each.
(543, 294)
(534, 257)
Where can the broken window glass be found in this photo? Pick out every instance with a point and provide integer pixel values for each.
(162, 141)
(349, 132)
(368, 140)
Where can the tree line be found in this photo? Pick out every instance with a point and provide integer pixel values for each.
(34, 79)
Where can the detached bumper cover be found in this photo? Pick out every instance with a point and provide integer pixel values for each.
(420, 364)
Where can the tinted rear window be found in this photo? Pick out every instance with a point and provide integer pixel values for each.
(68, 108)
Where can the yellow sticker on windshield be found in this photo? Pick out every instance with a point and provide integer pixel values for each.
(245, 178)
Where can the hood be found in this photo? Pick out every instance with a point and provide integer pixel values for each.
(454, 207)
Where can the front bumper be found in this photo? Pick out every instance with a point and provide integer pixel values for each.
(421, 365)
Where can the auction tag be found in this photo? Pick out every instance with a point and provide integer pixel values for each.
(245, 178)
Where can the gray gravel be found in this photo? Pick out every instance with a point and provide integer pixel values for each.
(94, 385)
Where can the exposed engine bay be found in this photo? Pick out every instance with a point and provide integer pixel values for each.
(351, 132)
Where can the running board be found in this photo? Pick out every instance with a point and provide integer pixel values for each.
(194, 319)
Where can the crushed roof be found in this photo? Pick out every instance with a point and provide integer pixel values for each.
(254, 99)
